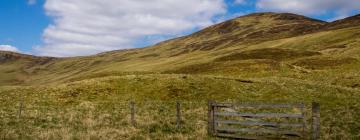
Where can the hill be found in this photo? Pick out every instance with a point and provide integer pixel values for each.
(267, 57)
(260, 42)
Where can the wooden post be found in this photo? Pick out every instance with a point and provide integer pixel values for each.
(178, 115)
(215, 109)
(21, 106)
(315, 121)
(211, 117)
(132, 109)
(304, 135)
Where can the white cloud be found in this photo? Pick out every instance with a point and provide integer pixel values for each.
(240, 2)
(342, 8)
(83, 27)
(8, 48)
(31, 2)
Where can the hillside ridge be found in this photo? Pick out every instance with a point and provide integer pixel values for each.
(251, 43)
(224, 26)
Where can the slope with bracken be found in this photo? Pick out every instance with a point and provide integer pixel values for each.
(255, 43)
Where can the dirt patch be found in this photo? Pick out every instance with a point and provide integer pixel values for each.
(238, 80)
(335, 47)
(227, 27)
(268, 53)
(321, 63)
(286, 16)
(149, 55)
(357, 85)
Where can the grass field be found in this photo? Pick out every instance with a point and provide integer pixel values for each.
(99, 108)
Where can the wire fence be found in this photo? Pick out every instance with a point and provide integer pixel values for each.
(159, 117)
(152, 120)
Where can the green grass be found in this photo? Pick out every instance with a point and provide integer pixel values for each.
(98, 108)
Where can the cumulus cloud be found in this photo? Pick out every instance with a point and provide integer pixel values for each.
(341, 8)
(8, 48)
(84, 27)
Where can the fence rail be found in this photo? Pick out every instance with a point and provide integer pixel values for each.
(259, 115)
(133, 109)
(225, 120)
(233, 120)
(253, 105)
(259, 123)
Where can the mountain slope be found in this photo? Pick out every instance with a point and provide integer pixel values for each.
(263, 57)
(344, 23)
(251, 44)
(17, 68)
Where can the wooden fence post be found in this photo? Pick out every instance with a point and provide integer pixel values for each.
(315, 121)
(178, 115)
(21, 106)
(211, 117)
(132, 111)
(305, 136)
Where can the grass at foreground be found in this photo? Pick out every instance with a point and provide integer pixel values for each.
(98, 108)
(106, 120)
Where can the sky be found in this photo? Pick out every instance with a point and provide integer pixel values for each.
(63, 28)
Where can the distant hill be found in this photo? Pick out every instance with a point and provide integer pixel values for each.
(247, 45)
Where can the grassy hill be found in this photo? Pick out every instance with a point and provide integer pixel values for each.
(271, 57)
(260, 41)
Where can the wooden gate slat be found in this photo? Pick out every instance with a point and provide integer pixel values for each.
(249, 105)
(250, 137)
(258, 123)
(259, 115)
(225, 124)
(239, 136)
(264, 131)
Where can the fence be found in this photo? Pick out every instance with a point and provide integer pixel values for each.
(161, 117)
(132, 109)
(248, 121)
(125, 119)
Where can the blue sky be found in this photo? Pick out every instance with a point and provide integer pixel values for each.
(71, 28)
(22, 25)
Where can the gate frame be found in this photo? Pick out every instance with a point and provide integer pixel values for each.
(315, 117)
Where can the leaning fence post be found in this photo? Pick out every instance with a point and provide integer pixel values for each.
(315, 121)
(178, 115)
(132, 111)
(210, 117)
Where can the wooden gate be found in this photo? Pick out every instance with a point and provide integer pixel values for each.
(262, 121)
